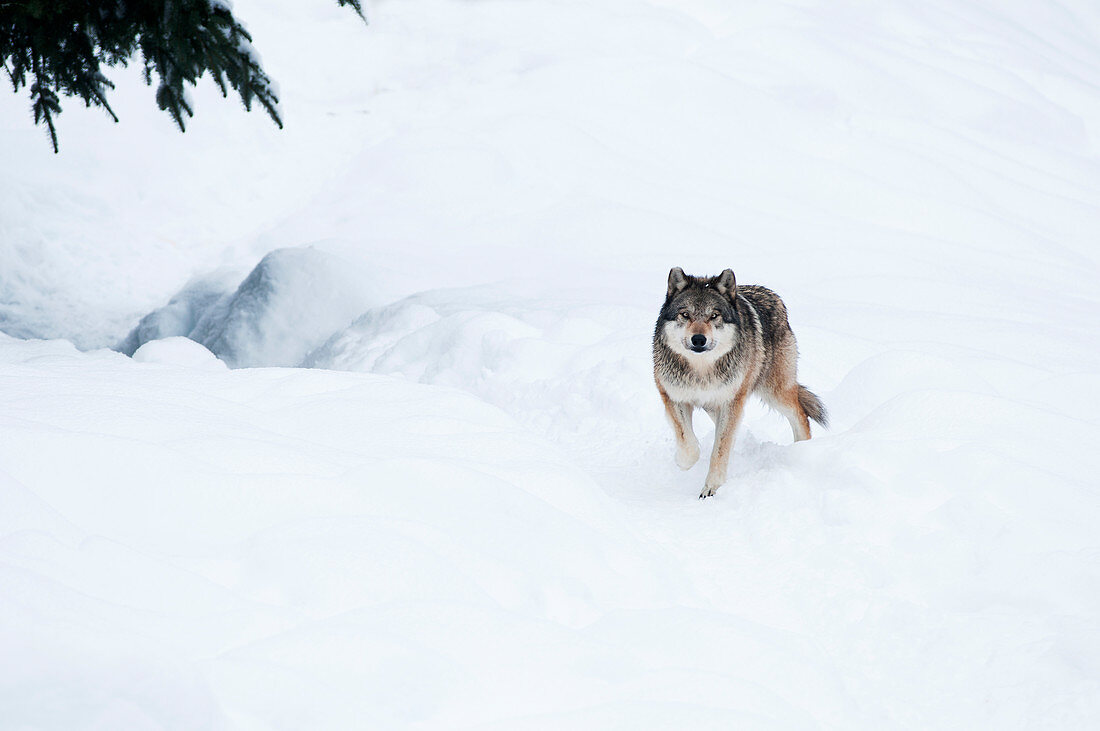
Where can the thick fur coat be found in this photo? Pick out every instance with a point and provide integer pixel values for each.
(714, 344)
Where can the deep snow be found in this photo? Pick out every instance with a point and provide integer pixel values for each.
(462, 511)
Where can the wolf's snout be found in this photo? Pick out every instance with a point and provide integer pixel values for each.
(698, 343)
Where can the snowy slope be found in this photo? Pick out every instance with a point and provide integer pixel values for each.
(462, 511)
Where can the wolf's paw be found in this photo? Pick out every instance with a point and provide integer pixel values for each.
(687, 456)
(710, 487)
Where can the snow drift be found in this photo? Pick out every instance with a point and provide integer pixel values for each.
(288, 304)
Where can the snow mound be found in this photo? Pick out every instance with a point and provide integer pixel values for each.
(287, 305)
(178, 351)
(182, 312)
(564, 365)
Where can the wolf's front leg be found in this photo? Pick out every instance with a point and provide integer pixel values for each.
(726, 419)
(687, 446)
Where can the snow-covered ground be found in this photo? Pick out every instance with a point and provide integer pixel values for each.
(436, 488)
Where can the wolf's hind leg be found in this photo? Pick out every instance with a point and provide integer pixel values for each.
(687, 445)
(787, 403)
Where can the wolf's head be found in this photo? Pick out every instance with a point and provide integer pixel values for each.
(698, 318)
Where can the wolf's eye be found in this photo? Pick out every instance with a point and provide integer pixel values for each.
(685, 314)
(714, 315)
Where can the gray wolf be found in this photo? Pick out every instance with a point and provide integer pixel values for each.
(714, 344)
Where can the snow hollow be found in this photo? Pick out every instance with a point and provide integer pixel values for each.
(353, 425)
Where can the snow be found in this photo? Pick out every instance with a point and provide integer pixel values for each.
(287, 305)
(183, 311)
(178, 350)
(388, 453)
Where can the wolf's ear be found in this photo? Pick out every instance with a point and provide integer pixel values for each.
(677, 280)
(726, 283)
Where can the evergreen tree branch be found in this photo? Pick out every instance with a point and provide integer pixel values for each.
(62, 46)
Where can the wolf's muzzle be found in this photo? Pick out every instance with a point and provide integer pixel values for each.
(698, 343)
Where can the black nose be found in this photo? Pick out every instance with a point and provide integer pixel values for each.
(698, 340)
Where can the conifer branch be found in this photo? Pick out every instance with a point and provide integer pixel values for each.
(62, 47)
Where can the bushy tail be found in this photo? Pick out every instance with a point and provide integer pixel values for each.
(812, 405)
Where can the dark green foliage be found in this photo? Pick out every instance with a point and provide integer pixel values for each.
(61, 45)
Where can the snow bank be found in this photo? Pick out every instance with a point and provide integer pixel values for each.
(226, 519)
(291, 301)
(266, 544)
(183, 312)
(288, 304)
(560, 364)
(179, 351)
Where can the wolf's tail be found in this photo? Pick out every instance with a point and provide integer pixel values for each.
(812, 405)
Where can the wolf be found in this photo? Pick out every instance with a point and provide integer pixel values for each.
(714, 344)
